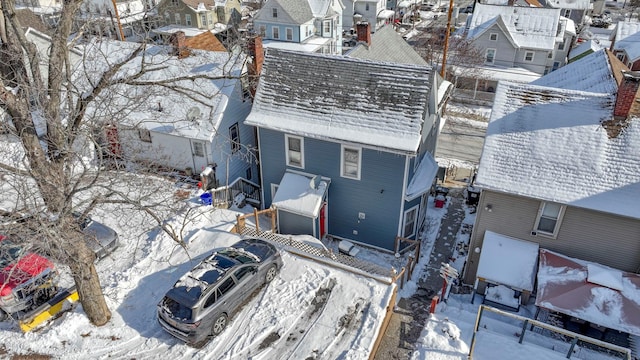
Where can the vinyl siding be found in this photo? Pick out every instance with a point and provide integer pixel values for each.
(378, 194)
(584, 234)
(236, 111)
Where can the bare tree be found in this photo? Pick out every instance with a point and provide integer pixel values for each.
(59, 116)
(463, 58)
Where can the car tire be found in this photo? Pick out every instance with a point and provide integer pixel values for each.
(219, 325)
(272, 271)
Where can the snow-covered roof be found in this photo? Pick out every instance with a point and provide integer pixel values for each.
(592, 73)
(569, 4)
(630, 45)
(550, 144)
(508, 261)
(624, 29)
(422, 178)
(585, 47)
(296, 12)
(295, 194)
(529, 27)
(163, 109)
(310, 45)
(337, 98)
(387, 45)
(589, 291)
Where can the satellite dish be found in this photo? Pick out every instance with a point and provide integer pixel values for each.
(193, 114)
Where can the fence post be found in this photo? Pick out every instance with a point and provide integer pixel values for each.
(524, 328)
(273, 220)
(573, 344)
(255, 214)
(475, 330)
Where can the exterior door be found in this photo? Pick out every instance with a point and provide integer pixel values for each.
(199, 152)
(323, 220)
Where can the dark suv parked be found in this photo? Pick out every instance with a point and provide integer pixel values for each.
(200, 304)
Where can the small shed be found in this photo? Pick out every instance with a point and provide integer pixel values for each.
(590, 292)
(506, 270)
(301, 203)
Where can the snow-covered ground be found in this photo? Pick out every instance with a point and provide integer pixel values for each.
(276, 324)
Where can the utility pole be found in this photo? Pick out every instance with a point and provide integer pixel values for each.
(446, 40)
(120, 32)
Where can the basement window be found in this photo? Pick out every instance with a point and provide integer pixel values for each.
(145, 135)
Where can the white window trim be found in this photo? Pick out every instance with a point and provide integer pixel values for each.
(533, 55)
(558, 221)
(491, 35)
(274, 189)
(275, 30)
(415, 221)
(493, 61)
(235, 143)
(288, 31)
(286, 150)
(342, 173)
(187, 19)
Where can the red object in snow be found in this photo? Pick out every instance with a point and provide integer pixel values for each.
(434, 302)
(440, 200)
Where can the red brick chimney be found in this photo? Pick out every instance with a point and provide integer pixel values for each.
(177, 40)
(626, 95)
(363, 31)
(256, 53)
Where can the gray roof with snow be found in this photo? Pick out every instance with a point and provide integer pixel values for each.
(591, 73)
(338, 98)
(387, 45)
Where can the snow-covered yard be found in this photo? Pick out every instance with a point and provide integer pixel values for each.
(300, 314)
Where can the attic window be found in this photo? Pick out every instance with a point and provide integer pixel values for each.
(493, 36)
(274, 11)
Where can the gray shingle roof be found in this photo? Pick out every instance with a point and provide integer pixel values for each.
(339, 98)
(388, 45)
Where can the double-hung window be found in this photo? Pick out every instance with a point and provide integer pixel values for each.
(410, 222)
(528, 56)
(234, 136)
(490, 56)
(549, 218)
(350, 162)
(295, 151)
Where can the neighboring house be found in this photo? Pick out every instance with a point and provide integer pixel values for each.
(575, 10)
(302, 25)
(385, 45)
(535, 39)
(597, 72)
(625, 43)
(129, 20)
(533, 3)
(560, 169)
(205, 15)
(583, 49)
(47, 10)
(197, 125)
(374, 12)
(354, 138)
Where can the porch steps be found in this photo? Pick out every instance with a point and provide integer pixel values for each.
(324, 255)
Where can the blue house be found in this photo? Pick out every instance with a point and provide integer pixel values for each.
(301, 25)
(346, 145)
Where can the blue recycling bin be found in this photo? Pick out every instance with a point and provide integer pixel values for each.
(206, 198)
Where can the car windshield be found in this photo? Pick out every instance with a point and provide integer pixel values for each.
(9, 252)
